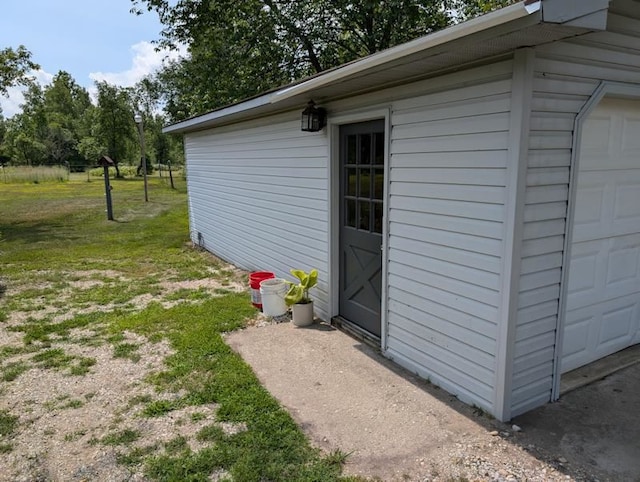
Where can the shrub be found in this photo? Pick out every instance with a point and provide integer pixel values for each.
(125, 171)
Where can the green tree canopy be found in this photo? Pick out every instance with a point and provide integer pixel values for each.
(14, 67)
(27, 131)
(52, 122)
(115, 126)
(239, 49)
(66, 106)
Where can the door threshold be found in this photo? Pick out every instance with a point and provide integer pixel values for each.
(599, 369)
(357, 332)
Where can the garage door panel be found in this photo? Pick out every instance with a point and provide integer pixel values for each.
(623, 266)
(626, 202)
(602, 270)
(577, 334)
(598, 330)
(590, 200)
(596, 137)
(603, 297)
(617, 326)
(630, 148)
(607, 204)
(586, 271)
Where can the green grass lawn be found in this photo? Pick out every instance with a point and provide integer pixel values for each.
(55, 239)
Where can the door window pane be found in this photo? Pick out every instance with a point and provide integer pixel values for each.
(378, 183)
(365, 149)
(352, 145)
(364, 215)
(365, 183)
(352, 182)
(379, 149)
(377, 217)
(350, 213)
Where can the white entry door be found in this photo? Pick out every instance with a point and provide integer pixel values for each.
(603, 300)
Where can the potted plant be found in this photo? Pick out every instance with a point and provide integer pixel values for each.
(298, 296)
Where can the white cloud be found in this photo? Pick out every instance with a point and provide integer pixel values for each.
(146, 59)
(15, 95)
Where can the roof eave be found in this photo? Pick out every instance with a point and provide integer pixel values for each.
(589, 14)
(484, 22)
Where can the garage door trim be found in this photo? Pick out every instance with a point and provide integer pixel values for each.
(605, 89)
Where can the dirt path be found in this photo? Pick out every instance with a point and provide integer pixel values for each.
(394, 425)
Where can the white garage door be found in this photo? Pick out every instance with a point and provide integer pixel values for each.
(603, 301)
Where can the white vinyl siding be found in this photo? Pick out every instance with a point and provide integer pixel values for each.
(448, 158)
(566, 75)
(258, 196)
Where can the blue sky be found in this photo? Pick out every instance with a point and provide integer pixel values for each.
(90, 39)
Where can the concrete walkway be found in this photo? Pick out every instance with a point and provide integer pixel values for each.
(398, 427)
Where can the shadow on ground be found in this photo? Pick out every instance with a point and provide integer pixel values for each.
(595, 427)
(400, 427)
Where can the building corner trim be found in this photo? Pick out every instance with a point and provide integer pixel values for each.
(521, 98)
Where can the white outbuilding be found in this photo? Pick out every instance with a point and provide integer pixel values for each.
(472, 204)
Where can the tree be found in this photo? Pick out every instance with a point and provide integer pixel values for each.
(65, 107)
(14, 67)
(4, 126)
(59, 124)
(27, 131)
(90, 148)
(52, 122)
(473, 8)
(115, 126)
(146, 97)
(238, 49)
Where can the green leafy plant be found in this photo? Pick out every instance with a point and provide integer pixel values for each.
(299, 293)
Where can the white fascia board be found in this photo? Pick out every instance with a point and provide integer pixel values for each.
(562, 11)
(245, 106)
(484, 22)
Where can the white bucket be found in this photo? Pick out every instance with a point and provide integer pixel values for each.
(272, 292)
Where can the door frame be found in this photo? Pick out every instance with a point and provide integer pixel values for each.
(605, 89)
(333, 129)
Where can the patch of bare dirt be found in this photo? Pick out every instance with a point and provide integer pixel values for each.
(210, 284)
(10, 338)
(64, 420)
(232, 282)
(68, 426)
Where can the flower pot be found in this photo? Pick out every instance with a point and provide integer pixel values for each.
(302, 314)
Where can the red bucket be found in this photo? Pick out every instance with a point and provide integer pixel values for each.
(254, 281)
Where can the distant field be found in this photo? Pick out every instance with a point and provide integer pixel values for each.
(36, 174)
(43, 174)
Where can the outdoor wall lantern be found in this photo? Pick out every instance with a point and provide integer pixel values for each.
(313, 118)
